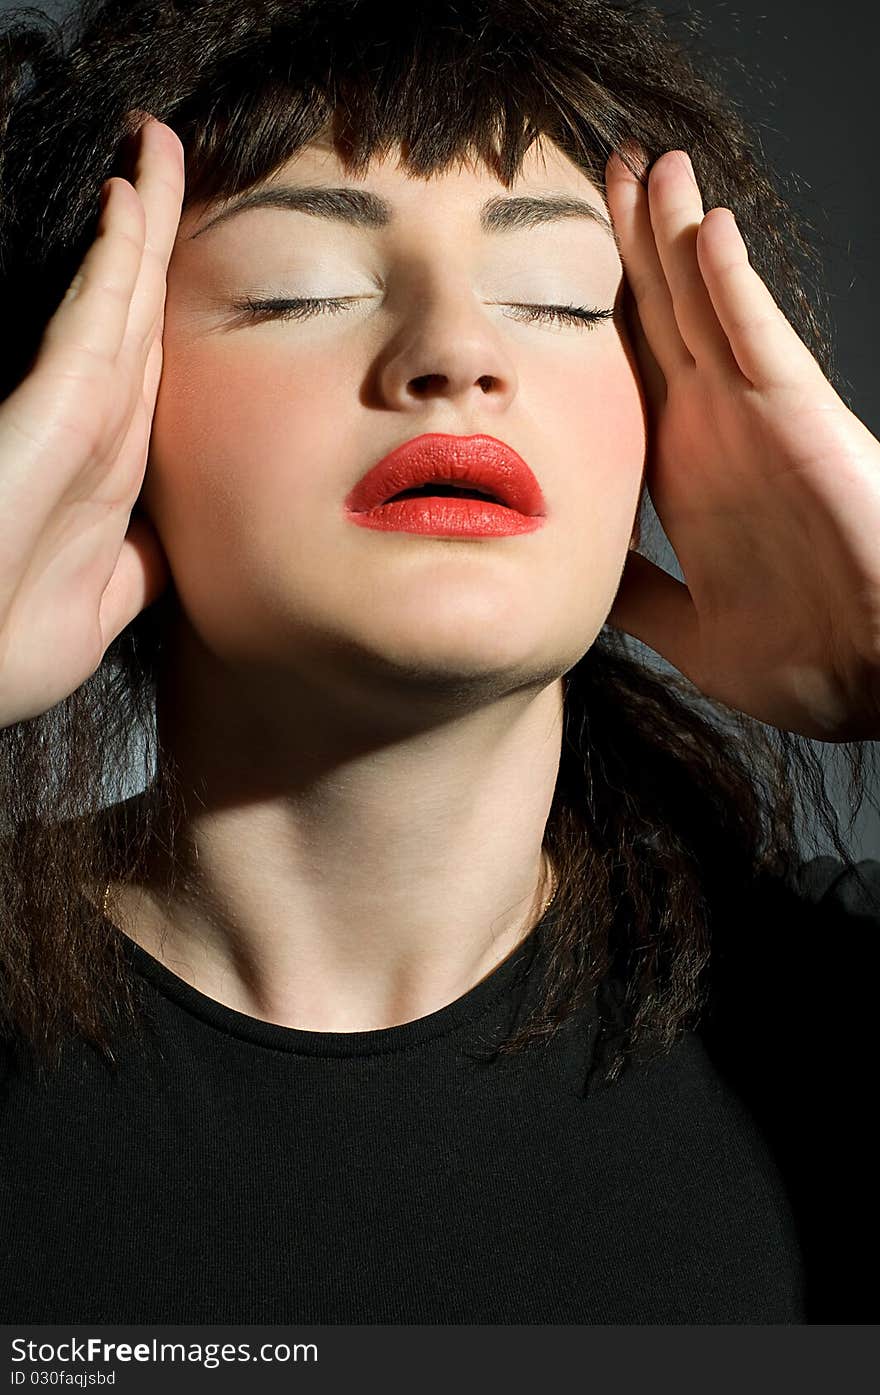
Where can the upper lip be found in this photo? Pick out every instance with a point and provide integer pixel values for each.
(477, 462)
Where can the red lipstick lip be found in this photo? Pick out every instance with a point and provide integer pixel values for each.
(478, 462)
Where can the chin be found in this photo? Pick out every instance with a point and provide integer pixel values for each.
(424, 659)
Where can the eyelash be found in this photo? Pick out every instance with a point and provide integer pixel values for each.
(305, 306)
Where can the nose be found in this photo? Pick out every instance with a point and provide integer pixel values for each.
(448, 348)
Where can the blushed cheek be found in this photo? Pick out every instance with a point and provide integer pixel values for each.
(616, 419)
(596, 417)
(236, 437)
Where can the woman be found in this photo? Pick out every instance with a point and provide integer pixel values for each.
(412, 986)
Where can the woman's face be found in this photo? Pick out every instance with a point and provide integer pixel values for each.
(262, 427)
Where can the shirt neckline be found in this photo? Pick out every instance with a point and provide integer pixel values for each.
(461, 1012)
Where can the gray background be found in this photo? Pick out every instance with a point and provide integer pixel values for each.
(805, 75)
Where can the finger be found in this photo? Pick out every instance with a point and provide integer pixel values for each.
(628, 205)
(152, 375)
(676, 211)
(158, 177)
(92, 317)
(767, 348)
(647, 367)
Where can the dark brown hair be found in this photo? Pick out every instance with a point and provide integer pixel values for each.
(667, 805)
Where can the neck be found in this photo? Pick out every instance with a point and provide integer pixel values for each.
(337, 874)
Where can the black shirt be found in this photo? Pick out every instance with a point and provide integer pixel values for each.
(245, 1172)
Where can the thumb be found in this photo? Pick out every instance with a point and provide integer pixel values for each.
(656, 609)
(141, 576)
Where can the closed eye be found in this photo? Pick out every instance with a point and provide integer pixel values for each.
(303, 307)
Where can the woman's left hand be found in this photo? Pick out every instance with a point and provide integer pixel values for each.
(766, 484)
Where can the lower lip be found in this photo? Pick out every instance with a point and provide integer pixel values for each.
(446, 517)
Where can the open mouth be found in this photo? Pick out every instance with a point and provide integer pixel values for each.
(444, 491)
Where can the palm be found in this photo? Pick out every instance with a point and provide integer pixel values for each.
(766, 485)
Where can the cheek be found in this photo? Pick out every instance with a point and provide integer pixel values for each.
(236, 435)
(613, 418)
(596, 422)
(595, 416)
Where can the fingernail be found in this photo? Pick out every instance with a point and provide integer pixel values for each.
(128, 149)
(689, 165)
(141, 117)
(632, 150)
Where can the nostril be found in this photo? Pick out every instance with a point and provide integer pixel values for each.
(426, 379)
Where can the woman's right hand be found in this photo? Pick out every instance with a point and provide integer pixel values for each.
(75, 566)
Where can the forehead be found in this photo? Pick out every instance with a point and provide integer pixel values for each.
(543, 162)
(467, 180)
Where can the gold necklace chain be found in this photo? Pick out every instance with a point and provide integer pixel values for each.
(550, 899)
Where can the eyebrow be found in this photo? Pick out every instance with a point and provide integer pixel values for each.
(361, 209)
